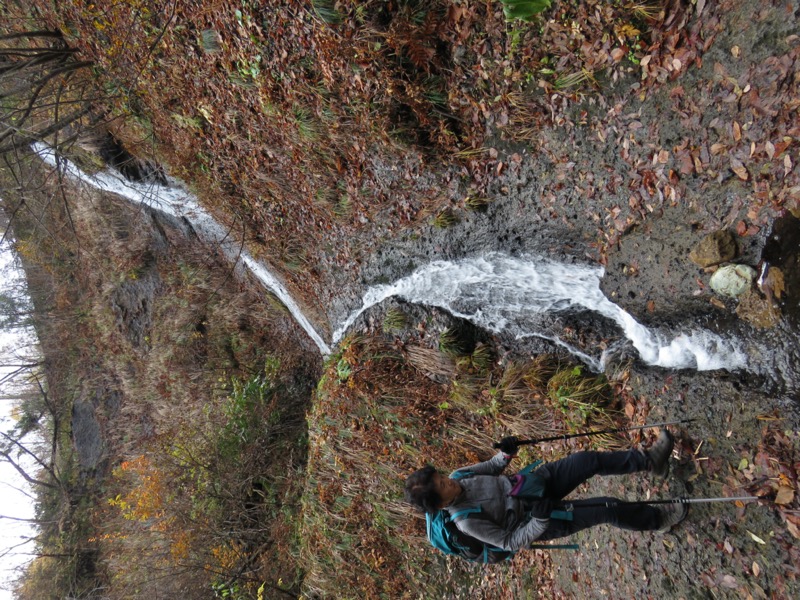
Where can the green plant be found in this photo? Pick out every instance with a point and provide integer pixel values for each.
(450, 342)
(524, 10)
(477, 203)
(395, 320)
(464, 394)
(573, 79)
(326, 10)
(343, 370)
(580, 398)
(445, 218)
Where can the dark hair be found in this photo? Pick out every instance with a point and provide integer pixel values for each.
(421, 492)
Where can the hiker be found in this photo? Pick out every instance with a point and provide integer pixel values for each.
(510, 512)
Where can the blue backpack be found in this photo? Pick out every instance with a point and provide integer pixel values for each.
(446, 536)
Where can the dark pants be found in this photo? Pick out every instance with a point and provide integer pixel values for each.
(564, 475)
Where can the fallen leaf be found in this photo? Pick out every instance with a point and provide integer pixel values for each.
(728, 547)
(793, 529)
(756, 539)
(787, 165)
(737, 131)
(739, 168)
(770, 149)
(756, 569)
(785, 495)
(717, 302)
(718, 148)
(736, 51)
(729, 581)
(741, 228)
(775, 282)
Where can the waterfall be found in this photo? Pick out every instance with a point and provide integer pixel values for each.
(176, 201)
(502, 293)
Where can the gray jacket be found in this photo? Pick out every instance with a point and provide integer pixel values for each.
(502, 523)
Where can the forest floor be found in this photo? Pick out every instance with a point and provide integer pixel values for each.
(347, 166)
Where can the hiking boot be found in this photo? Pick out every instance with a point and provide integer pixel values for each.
(658, 454)
(671, 515)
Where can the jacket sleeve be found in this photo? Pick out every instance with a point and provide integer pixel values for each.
(492, 534)
(493, 466)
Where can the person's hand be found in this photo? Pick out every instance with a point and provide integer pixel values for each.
(542, 508)
(509, 445)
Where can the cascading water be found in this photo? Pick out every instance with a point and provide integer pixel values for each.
(503, 294)
(498, 292)
(174, 200)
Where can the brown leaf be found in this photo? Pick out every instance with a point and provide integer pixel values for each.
(739, 168)
(718, 148)
(741, 228)
(793, 529)
(717, 302)
(775, 281)
(737, 132)
(756, 569)
(785, 495)
(770, 149)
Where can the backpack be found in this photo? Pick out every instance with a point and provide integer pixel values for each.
(443, 533)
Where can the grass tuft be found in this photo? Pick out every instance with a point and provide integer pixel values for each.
(451, 342)
(445, 218)
(394, 321)
(326, 10)
(477, 203)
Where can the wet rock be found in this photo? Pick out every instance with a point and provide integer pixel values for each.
(133, 302)
(732, 280)
(714, 249)
(757, 310)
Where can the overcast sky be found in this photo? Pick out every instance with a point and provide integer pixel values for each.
(13, 502)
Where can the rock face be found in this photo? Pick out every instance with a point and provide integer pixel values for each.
(714, 249)
(732, 280)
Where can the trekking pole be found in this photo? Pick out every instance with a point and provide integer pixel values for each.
(568, 436)
(569, 506)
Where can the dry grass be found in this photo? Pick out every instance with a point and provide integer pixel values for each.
(387, 418)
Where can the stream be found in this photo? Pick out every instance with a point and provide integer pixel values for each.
(512, 295)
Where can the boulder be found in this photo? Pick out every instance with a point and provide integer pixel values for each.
(732, 280)
(717, 247)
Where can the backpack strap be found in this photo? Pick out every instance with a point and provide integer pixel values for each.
(464, 513)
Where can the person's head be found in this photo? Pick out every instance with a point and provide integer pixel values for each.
(428, 490)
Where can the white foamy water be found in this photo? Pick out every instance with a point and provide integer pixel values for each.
(174, 200)
(504, 294)
(498, 292)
